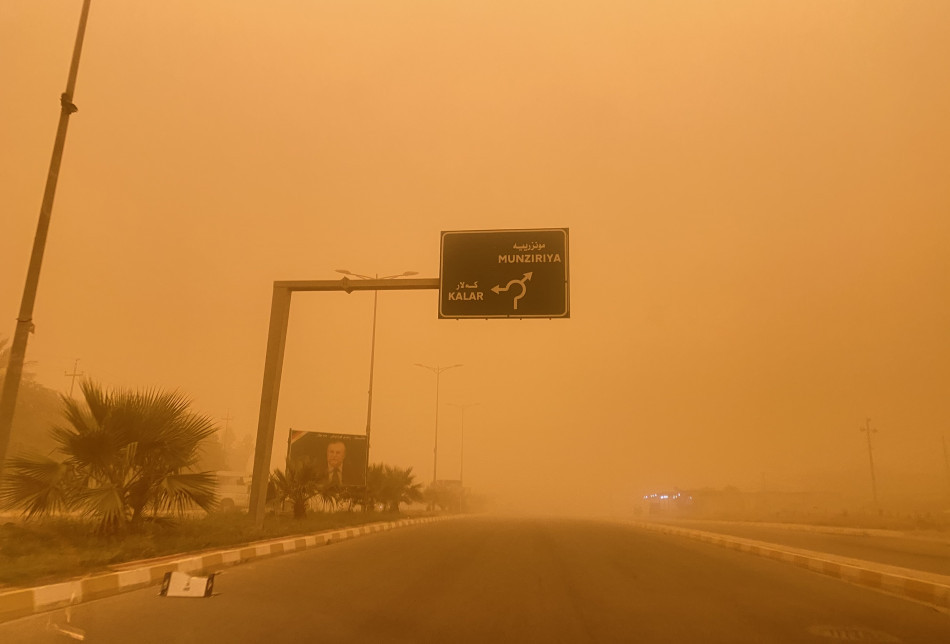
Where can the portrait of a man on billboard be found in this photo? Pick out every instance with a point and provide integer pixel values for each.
(338, 459)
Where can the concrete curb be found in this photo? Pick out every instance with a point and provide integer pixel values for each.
(929, 588)
(27, 601)
(805, 527)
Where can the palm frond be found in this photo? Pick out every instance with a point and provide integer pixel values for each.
(37, 485)
(105, 503)
(98, 402)
(180, 492)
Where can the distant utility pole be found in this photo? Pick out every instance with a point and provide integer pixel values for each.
(946, 459)
(867, 429)
(24, 321)
(461, 407)
(73, 375)
(437, 370)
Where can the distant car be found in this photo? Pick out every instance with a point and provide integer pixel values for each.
(234, 490)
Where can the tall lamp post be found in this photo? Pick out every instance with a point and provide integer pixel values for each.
(24, 321)
(868, 430)
(437, 370)
(461, 407)
(372, 348)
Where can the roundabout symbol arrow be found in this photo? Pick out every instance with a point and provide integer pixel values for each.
(524, 288)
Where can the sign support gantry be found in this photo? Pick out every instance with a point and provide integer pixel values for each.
(274, 362)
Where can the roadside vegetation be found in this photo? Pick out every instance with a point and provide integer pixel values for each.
(125, 456)
(56, 549)
(119, 476)
(37, 409)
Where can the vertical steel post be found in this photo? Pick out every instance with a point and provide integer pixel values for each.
(270, 391)
(437, 370)
(462, 407)
(24, 322)
(435, 447)
(867, 429)
(372, 362)
(946, 460)
(274, 362)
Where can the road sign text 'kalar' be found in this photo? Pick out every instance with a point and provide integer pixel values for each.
(504, 274)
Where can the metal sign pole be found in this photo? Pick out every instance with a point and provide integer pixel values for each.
(274, 361)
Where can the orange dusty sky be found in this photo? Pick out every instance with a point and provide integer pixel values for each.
(758, 198)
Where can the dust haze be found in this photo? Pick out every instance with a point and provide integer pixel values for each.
(756, 195)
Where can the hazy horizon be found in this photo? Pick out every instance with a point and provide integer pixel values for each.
(756, 195)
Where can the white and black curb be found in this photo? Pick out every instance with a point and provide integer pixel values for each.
(928, 588)
(27, 601)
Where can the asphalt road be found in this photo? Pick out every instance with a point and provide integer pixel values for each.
(918, 552)
(505, 580)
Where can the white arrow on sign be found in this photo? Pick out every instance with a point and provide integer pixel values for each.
(524, 288)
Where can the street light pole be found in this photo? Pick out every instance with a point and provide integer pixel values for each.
(867, 429)
(462, 407)
(462, 449)
(24, 322)
(437, 370)
(372, 349)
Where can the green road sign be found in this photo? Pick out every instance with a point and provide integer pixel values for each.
(504, 274)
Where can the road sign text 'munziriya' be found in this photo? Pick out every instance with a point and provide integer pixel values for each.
(519, 273)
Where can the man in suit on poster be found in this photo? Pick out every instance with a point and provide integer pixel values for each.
(336, 472)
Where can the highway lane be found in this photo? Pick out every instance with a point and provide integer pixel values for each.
(506, 580)
(918, 552)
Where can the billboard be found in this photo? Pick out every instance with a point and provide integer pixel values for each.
(339, 459)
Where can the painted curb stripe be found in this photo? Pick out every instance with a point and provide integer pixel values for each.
(904, 582)
(27, 601)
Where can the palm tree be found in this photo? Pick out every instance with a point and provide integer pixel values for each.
(371, 494)
(404, 488)
(298, 484)
(125, 452)
(391, 486)
(443, 495)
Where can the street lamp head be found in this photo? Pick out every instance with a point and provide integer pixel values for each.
(346, 272)
(437, 369)
(367, 277)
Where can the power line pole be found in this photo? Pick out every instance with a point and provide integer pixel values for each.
(24, 322)
(946, 459)
(867, 429)
(73, 375)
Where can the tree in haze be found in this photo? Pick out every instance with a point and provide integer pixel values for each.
(443, 495)
(37, 408)
(124, 452)
(391, 486)
(387, 485)
(214, 457)
(298, 484)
